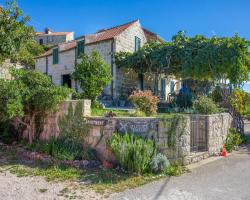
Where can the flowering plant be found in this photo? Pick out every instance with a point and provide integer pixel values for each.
(145, 101)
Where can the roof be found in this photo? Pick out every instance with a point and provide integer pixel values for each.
(63, 47)
(52, 33)
(152, 36)
(101, 35)
(107, 34)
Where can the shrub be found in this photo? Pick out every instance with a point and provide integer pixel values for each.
(132, 152)
(64, 149)
(159, 163)
(205, 105)
(145, 101)
(233, 140)
(70, 143)
(73, 125)
(238, 100)
(175, 169)
(217, 95)
(7, 133)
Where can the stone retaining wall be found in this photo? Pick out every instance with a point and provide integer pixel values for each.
(173, 139)
(217, 129)
(51, 126)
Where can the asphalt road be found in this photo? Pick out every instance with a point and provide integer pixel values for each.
(223, 179)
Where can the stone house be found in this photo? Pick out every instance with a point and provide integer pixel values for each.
(59, 62)
(53, 38)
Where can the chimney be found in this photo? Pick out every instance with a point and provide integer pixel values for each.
(47, 30)
(102, 30)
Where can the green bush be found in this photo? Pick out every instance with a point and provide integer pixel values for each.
(132, 152)
(145, 101)
(239, 100)
(233, 140)
(175, 169)
(205, 105)
(7, 133)
(64, 149)
(159, 163)
(217, 95)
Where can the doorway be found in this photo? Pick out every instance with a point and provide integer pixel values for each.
(66, 80)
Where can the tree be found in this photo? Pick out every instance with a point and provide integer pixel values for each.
(28, 96)
(27, 53)
(93, 74)
(13, 31)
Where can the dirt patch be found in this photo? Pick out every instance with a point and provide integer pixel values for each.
(13, 187)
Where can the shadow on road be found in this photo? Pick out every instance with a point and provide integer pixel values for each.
(163, 187)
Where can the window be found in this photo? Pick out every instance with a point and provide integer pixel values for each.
(137, 43)
(80, 48)
(55, 56)
(66, 80)
(41, 41)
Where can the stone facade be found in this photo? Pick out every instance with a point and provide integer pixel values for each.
(124, 81)
(54, 38)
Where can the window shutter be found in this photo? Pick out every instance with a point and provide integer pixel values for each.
(55, 56)
(80, 48)
(137, 43)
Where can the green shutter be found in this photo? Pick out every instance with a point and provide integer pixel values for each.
(137, 43)
(80, 48)
(55, 56)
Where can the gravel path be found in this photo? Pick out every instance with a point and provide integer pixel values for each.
(37, 188)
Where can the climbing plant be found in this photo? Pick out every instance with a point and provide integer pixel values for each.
(174, 128)
(197, 58)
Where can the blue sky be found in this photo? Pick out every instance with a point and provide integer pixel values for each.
(165, 17)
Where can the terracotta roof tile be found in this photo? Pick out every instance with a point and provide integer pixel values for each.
(152, 36)
(106, 34)
(62, 47)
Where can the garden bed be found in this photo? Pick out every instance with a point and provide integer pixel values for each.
(15, 159)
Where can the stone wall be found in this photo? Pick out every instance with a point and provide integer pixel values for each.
(218, 125)
(51, 126)
(173, 135)
(49, 39)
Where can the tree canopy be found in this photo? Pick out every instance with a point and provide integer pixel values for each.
(197, 58)
(30, 94)
(93, 74)
(16, 38)
(13, 30)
